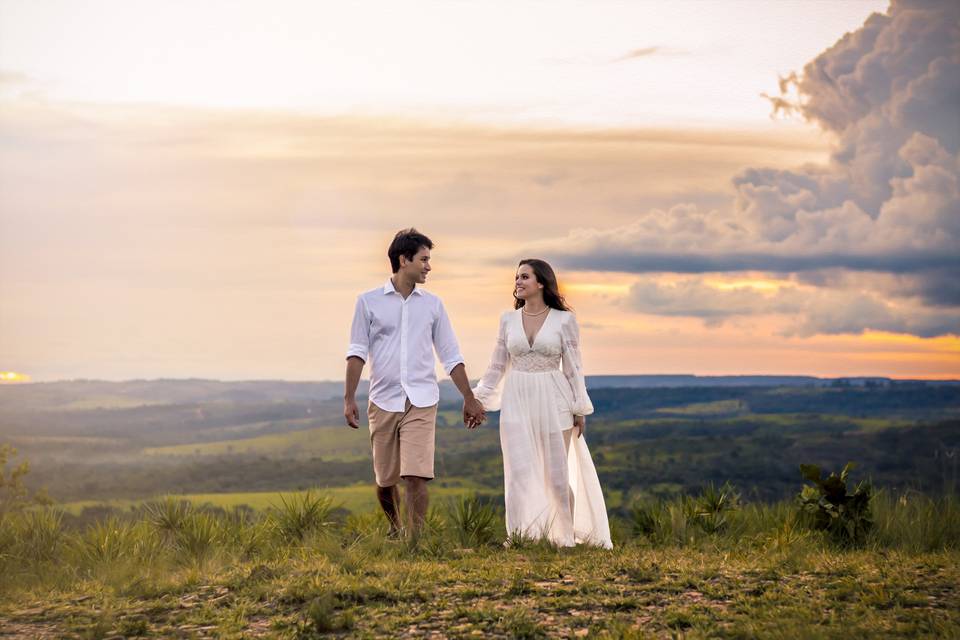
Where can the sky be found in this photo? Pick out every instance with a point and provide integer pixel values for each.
(202, 189)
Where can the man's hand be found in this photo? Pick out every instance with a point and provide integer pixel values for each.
(351, 413)
(579, 424)
(473, 413)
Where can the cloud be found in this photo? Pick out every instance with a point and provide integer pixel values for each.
(13, 78)
(646, 52)
(638, 53)
(15, 85)
(888, 201)
(811, 311)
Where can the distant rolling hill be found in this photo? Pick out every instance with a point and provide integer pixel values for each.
(92, 394)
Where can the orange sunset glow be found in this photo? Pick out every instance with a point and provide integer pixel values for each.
(178, 203)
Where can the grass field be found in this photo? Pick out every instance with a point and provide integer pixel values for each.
(354, 498)
(299, 575)
(719, 407)
(339, 442)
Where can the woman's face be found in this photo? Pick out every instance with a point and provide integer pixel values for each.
(526, 285)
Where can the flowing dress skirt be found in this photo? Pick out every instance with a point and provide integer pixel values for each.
(549, 491)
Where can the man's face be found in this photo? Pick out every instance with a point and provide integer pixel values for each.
(418, 268)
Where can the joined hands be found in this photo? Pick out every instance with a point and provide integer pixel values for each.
(473, 413)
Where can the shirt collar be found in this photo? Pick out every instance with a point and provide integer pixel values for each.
(389, 288)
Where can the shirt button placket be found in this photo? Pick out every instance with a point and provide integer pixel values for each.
(403, 346)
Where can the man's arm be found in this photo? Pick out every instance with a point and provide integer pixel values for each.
(448, 351)
(350, 410)
(356, 358)
(473, 413)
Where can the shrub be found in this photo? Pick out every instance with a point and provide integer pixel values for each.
(104, 542)
(40, 534)
(198, 537)
(827, 506)
(246, 533)
(474, 522)
(646, 520)
(710, 509)
(14, 495)
(168, 515)
(303, 515)
(322, 618)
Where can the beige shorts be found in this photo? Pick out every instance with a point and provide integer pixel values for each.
(402, 443)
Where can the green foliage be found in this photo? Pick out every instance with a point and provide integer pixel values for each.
(303, 515)
(366, 525)
(711, 508)
(40, 535)
(915, 522)
(8, 539)
(520, 625)
(168, 515)
(14, 495)
(760, 574)
(247, 533)
(321, 617)
(104, 542)
(473, 521)
(198, 537)
(827, 506)
(646, 520)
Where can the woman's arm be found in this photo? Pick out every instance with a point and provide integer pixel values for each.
(573, 366)
(489, 388)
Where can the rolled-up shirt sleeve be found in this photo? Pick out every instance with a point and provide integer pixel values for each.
(360, 332)
(445, 342)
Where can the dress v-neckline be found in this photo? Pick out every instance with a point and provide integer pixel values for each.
(531, 343)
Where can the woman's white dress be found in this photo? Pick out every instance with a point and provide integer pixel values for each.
(549, 490)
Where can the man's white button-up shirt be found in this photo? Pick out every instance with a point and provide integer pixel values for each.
(397, 336)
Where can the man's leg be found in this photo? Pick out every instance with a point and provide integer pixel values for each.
(417, 502)
(389, 498)
(417, 431)
(385, 447)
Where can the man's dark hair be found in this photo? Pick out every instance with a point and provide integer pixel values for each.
(406, 243)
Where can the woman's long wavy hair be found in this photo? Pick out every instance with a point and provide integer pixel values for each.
(544, 274)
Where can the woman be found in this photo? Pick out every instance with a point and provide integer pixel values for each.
(550, 484)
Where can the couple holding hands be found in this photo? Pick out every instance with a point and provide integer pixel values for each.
(535, 379)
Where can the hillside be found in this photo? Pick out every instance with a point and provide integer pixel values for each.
(299, 573)
(655, 441)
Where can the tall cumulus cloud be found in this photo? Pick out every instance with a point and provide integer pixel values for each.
(886, 207)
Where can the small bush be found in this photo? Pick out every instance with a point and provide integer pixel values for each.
(827, 506)
(40, 535)
(322, 618)
(247, 534)
(710, 509)
(198, 537)
(167, 515)
(105, 542)
(474, 523)
(915, 522)
(519, 624)
(302, 515)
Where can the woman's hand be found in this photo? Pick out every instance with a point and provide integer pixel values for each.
(579, 423)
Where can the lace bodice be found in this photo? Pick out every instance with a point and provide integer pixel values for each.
(556, 347)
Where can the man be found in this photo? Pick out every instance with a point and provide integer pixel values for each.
(399, 325)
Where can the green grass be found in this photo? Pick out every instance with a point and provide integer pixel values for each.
(333, 442)
(182, 572)
(354, 498)
(719, 407)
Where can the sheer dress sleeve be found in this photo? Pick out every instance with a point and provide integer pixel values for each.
(573, 366)
(488, 391)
